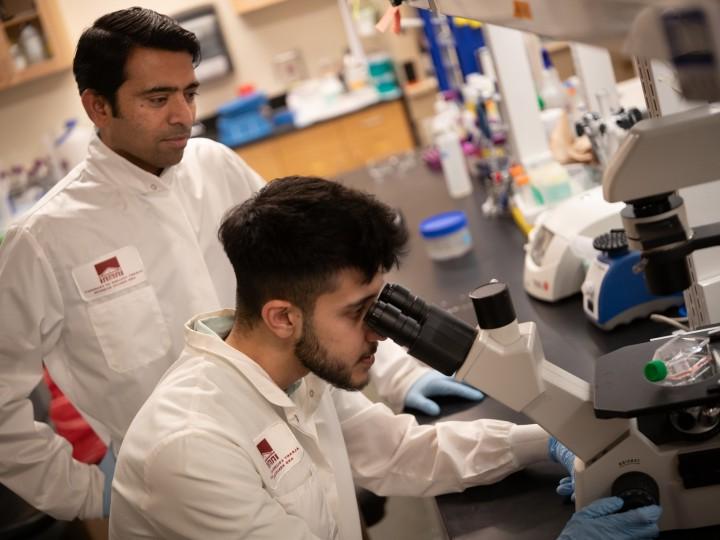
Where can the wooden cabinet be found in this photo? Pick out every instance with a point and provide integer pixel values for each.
(45, 17)
(317, 151)
(335, 146)
(246, 6)
(375, 133)
(263, 158)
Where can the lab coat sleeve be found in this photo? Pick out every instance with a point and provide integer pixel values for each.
(35, 463)
(394, 372)
(393, 455)
(199, 485)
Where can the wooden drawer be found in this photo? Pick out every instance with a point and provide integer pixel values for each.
(315, 151)
(376, 133)
(333, 147)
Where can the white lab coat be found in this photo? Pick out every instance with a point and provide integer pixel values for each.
(106, 349)
(220, 451)
(107, 345)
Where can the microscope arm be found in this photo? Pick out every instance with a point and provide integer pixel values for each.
(508, 364)
(500, 357)
(703, 236)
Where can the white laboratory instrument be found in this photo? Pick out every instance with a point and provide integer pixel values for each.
(632, 438)
(557, 254)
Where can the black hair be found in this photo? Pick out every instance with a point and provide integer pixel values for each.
(103, 49)
(291, 239)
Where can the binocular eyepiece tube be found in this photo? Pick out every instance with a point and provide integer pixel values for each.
(429, 333)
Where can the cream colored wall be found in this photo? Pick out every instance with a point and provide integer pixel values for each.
(28, 113)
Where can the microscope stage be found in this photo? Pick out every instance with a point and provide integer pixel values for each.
(622, 391)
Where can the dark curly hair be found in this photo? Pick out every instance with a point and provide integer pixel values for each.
(290, 240)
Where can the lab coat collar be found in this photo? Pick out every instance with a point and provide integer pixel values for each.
(310, 390)
(105, 163)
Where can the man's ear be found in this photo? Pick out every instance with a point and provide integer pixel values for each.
(97, 108)
(282, 318)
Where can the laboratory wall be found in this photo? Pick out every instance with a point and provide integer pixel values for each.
(29, 113)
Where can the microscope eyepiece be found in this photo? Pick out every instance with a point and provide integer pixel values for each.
(411, 305)
(429, 333)
(388, 321)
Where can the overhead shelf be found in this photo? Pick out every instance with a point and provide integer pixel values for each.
(605, 23)
(682, 32)
(21, 18)
(247, 6)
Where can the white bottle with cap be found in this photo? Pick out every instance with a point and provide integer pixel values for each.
(453, 164)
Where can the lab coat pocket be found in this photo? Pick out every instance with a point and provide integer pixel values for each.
(130, 328)
(309, 502)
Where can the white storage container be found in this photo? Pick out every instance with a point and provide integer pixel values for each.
(446, 235)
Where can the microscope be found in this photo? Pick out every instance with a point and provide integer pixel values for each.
(632, 437)
(636, 452)
(606, 130)
(643, 441)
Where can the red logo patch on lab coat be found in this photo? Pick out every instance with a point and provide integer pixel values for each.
(109, 273)
(268, 454)
(279, 449)
(108, 269)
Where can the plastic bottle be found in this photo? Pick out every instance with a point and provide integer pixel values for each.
(552, 91)
(454, 166)
(355, 72)
(32, 44)
(19, 60)
(681, 361)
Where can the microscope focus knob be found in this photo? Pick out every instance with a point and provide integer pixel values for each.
(493, 305)
(636, 489)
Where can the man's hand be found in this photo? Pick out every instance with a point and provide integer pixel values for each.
(434, 383)
(107, 466)
(598, 521)
(561, 454)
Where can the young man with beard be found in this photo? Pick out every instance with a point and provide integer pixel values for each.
(257, 431)
(97, 280)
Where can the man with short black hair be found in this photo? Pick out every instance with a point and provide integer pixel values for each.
(98, 278)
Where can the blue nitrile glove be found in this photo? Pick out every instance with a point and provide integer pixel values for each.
(560, 454)
(434, 383)
(107, 466)
(598, 521)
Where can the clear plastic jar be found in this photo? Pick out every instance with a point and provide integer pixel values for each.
(446, 235)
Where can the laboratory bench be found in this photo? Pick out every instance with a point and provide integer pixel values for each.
(524, 506)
